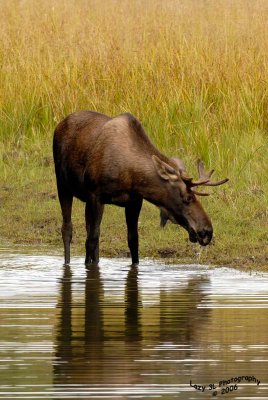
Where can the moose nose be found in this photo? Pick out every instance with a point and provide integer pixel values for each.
(204, 237)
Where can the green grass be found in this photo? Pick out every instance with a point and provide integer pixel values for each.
(194, 72)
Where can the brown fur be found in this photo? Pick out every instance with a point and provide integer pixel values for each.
(103, 160)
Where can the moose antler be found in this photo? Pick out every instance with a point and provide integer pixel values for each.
(204, 179)
(207, 175)
(189, 181)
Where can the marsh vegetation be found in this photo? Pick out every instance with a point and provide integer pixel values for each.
(194, 72)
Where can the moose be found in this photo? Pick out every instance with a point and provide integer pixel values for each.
(103, 160)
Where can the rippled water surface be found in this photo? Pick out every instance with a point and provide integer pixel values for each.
(116, 332)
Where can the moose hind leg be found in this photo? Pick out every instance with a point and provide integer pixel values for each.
(66, 201)
(93, 216)
(132, 212)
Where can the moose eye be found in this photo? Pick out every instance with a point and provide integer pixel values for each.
(188, 199)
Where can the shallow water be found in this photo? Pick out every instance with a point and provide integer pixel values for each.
(117, 332)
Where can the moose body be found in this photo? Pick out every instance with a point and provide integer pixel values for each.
(103, 160)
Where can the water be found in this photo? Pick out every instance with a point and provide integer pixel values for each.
(116, 332)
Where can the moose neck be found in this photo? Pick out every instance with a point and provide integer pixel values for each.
(153, 188)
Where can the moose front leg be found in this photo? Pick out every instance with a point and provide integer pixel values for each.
(93, 215)
(132, 212)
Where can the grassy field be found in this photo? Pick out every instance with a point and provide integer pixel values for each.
(195, 72)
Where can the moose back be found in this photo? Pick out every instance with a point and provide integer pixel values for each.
(103, 160)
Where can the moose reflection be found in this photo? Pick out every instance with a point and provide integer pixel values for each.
(102, 336)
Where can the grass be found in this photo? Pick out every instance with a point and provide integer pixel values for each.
(194, 72)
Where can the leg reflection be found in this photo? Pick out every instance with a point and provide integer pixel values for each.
(64, 351)
(132, 306)
(93, 306)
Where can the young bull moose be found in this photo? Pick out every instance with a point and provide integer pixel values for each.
(103, 160)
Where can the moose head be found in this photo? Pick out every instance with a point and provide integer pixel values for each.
(192, 215)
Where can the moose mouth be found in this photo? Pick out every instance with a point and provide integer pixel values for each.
(203, 237)
(193, 236)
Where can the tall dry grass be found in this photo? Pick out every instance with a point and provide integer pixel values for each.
(194, 72)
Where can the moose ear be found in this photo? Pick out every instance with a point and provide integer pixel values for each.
(164, 170)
